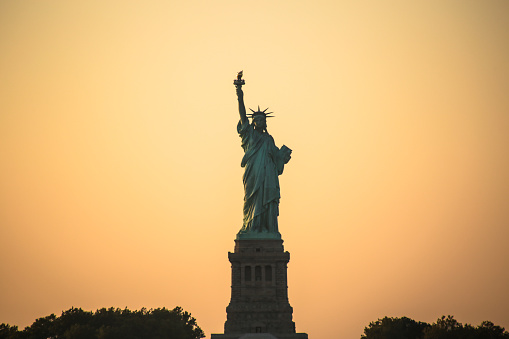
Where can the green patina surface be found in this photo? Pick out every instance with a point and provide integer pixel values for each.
(263, 162)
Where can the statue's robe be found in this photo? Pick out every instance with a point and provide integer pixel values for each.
(263, 163)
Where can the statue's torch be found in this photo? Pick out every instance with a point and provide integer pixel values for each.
(239, 81)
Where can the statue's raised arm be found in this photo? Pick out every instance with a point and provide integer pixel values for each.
(240, 96)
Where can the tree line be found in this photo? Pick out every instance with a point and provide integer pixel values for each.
(111, 323)
(443, 328)
(162, 323)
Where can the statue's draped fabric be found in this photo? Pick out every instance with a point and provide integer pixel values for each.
(262, 162)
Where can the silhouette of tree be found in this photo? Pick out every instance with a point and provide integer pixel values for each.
(450, 328)
(7, 331)
(110, 323)
(394, 328)
(443, 328)
(488, 330)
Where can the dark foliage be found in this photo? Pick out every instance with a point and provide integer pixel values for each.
(450, 328)
(395, 328)
(443, 328)
(111, 323)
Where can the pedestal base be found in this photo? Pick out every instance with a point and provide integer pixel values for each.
(259, 306)
(260, 336)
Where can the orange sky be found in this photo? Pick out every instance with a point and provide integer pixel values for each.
(120, 178)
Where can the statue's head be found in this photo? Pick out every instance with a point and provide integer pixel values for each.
(260, 122)
(259, 119)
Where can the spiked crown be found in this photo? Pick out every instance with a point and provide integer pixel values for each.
(260, 113)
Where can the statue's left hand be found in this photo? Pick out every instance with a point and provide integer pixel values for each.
(287, 158)
(286, 154)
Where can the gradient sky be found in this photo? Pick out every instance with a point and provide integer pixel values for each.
(120, 177)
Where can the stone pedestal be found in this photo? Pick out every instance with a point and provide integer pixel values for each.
(259, 301)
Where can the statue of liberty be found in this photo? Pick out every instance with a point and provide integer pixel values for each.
(263, 162)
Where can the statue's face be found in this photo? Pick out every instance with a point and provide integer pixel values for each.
(260, 123)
